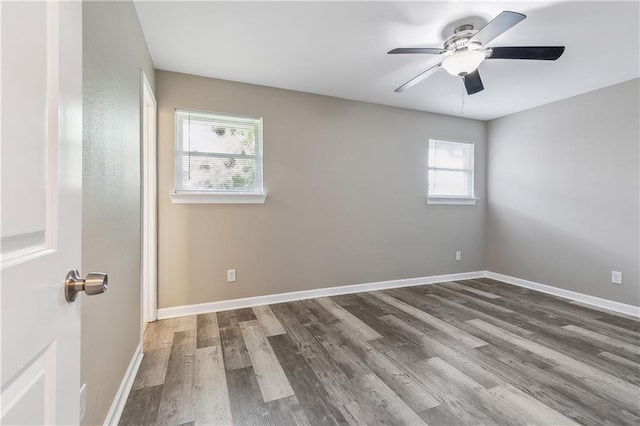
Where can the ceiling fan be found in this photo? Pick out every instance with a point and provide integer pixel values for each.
(465, 50)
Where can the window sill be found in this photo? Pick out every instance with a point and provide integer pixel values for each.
(462, 201)
(217, 198)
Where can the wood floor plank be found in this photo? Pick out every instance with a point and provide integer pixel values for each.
(460, 287)
(439, 416)
(176, 405)
(347, 318)
(271, 378)
(142, 406)
(475, 313)
(437, 323)
(391, 405)
(235, 351)
(530, 410)
(312, 396)
(463, 353)
(288, 411)
(317, 313)
(489, 304)
(607, 312)
(411, 391)
(334, 380)
(621, 322)
(491, 406)
(584, 350)
(555, 389)
(392, 340)
(227, 319)
(634, 367)
(207, 330)
(467, 412)
(597, 337)
(598, 379)
(158, 338)
(247, 407)
(245, 314)
(211, 394)
(269, 323)
(459, 359)
(301, 312)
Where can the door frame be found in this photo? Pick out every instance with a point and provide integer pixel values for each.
(149, 273)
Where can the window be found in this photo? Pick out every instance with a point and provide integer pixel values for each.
(218, 158)
(450, 172)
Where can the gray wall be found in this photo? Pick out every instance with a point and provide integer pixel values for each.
(563, 187)
(346, 204)
(114, 53)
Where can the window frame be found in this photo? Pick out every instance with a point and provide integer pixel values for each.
(452, 199)
(256, 196)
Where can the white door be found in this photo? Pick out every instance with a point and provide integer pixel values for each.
(41, 181)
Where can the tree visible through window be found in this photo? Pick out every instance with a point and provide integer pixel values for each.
(450, 169)
(217, 153)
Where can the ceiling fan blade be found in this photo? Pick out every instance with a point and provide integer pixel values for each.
(473, 83)
(417, 79)
(541, 53)
(497, 26)
(427, 50)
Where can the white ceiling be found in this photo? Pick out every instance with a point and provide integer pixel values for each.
(339, 49)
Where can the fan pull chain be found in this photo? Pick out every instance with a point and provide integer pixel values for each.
(462, 103)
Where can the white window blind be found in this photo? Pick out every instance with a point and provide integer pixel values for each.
(450, 169)
(217, 153)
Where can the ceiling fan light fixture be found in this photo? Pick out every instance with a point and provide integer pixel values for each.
(463, 62)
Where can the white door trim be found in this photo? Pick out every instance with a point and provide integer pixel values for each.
(149, 209)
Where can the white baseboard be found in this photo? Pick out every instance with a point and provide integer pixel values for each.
(113, 416)
(248, 302)
(567, 294)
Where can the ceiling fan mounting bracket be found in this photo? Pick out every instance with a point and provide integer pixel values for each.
(460, 38)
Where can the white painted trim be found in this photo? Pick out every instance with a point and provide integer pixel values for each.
(462, 201)
(150, 201)
(248, 302)
(225, 305)
(117, 406)
(217, 198)
(567, 294)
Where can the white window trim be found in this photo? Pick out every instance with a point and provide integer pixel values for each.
(217, 198)
(452, 199)
(462, 201)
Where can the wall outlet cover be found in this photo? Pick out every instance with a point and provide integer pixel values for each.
(616, 277)
(231, 275)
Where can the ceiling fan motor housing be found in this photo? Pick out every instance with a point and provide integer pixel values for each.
(460, 39)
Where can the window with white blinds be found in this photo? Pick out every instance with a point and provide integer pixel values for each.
(217, 154)
(450, 171)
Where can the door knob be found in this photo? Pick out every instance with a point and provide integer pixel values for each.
(94, 283)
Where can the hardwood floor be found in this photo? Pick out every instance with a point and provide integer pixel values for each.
(467, 352)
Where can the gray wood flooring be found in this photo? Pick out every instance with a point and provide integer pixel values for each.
(467, 352)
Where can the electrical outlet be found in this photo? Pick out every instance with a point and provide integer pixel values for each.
(458, 255)
(83, 401)
(231, 275)
(616, 277)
